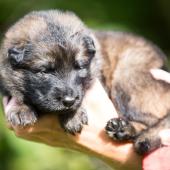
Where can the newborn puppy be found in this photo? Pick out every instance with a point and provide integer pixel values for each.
(45, 61)
(49, 59)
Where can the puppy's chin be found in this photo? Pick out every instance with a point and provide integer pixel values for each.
(64, 111)
(57, 109)
(68, 110)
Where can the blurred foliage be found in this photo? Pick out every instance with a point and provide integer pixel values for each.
(150, 18)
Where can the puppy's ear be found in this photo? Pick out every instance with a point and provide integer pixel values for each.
(16, 55)
(90, 46)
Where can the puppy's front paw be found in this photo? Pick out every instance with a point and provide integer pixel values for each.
(142, 146)
(120, 130)
(21, 116)
(146, 143)
(74, 123)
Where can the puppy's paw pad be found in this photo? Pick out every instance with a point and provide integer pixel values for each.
(142, 146)
(21, 117)
(120, 129)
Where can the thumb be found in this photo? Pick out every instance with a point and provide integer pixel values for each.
(159, 74)
(165, 137)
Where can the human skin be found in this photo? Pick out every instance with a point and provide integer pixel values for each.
(92, 140)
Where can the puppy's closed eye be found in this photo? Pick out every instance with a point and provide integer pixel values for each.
(89, 44)
(82, 64)
(15, 55)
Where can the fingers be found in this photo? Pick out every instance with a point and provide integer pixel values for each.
(159, 74)
(157, 160)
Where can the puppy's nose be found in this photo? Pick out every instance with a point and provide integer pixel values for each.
(68, 101)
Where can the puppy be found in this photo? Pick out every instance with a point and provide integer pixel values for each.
(45, 62)
(49, 60)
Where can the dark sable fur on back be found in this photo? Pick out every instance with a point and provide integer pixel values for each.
(49, 58)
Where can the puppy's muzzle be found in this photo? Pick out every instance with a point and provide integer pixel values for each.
(68, 97)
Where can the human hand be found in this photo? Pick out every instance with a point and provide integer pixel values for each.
(92, 139)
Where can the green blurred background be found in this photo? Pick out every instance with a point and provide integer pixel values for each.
(149, 18)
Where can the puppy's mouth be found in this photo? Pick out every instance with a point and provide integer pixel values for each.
(67, 110)
(70, 109)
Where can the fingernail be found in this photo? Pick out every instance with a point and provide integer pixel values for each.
(165, 137)
(155, 73)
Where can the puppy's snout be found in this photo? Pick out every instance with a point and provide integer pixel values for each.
(68, 101)
(67, 96)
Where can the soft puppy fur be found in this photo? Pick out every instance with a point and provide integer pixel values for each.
(45, 62)
(48, 60)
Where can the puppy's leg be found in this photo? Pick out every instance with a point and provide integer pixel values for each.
(149, 139)
(121, 129)
(21, 115)
(73, 122)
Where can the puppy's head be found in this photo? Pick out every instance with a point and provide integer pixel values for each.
(50, 55)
